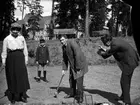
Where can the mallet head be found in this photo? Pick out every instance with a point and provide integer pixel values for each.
(55, 94)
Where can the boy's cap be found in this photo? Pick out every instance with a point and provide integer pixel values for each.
(106, 38)
(105, 27)
(15, 25)
(42, 40)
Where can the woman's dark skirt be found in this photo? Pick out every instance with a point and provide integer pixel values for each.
(16, 72)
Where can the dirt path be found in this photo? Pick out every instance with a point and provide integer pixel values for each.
(101, 82)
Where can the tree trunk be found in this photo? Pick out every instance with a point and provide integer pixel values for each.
(22, 9)
(87, 19)
(52, 18)
(33, 34)
(117, 23)
(116, 32)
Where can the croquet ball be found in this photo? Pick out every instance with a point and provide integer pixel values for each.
(104, 103)
(55, 93)
(55, 96)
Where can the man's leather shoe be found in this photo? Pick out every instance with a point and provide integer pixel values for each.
(27, 96)
(127, 103)
(24, 100)
(80, 100)
(119, 99)
(45, 80)
(13, 101)
(69, 96)
(37, 79)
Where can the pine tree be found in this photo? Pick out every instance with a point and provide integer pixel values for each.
(6, 17)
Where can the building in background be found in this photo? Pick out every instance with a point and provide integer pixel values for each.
(47, 9)
(43, 24)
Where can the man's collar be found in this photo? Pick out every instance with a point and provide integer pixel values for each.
(42, 45)
(13, 36)
(66, 42)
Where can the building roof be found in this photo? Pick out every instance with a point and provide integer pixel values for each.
(44, 20)
(64, 31)
(21, 22)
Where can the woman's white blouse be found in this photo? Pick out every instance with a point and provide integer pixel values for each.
(14, 43)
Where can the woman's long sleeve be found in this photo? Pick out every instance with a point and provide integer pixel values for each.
(25, 51)
(4, 51)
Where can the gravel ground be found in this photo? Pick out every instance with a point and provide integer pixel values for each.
(101, 84)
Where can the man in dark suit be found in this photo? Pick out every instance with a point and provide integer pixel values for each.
(74, 57)
(127, 59)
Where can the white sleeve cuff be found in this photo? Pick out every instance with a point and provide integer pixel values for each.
(26, 58)
(3, 60)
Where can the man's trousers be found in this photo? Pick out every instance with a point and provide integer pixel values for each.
(76, 83)
(125, 86)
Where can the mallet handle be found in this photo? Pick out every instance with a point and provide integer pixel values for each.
(60, 82)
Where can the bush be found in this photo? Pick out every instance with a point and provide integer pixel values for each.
(90, 46)
(55, 54)
(31, 53)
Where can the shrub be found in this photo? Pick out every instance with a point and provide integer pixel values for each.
(55, 54)
(31, 53)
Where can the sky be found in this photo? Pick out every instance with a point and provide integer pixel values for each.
(47, 4)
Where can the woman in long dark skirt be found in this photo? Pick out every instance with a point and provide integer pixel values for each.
(15, 58)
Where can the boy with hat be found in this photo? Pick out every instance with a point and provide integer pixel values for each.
(42, 59)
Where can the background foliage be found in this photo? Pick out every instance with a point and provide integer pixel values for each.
(71, 14)
(6, 17)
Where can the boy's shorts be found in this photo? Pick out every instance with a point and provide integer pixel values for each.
(42, 64)
(42, 67)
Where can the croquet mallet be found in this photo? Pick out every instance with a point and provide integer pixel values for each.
(2, 68)
(55, 94)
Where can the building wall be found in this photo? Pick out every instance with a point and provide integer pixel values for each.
(38, 35)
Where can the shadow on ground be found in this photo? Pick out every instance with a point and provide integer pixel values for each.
(107, 95)
(62, 89)
(136, 101)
